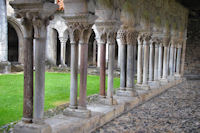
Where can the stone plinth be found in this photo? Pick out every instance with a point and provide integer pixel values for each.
(5, 67)
(32, 128)
(82, 113)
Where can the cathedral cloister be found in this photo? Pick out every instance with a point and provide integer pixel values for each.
(145, 40)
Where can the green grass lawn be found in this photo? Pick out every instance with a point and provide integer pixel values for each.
(57, 91)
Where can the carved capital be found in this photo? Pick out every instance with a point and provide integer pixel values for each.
(166, 40)
(146, 37)
(85, 36)
(131, 37)
(111, 37)
(140, 39)
(121, 34)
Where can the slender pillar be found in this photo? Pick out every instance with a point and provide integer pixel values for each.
(28, 72)
(156, 55)
(94, 53)
(102, 68)
(130, 67)
(74, 75)
(83, 75)
(123, 67)
(3, 32)
(110, 89)
(107, 54)
(171, 60)
(174, 61)
(40, 49)
(160, 61)
(98, 55)
(178, 61)
(151, 62)
(139, 61)
(63, 50)
(119, 52)
(165, 62)
(146, 57)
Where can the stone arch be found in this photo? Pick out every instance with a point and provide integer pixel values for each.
(20, 34)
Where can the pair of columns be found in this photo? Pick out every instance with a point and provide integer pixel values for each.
(127, 40)
(103, 40)
(78, 37)
(143, 59)
(34, 25)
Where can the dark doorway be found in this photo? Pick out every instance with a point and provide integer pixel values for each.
(13, 44)
(58, 61)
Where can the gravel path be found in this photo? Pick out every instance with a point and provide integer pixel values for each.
(175, 111)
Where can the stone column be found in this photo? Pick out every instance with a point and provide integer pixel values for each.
(174, 61)
(94, 52)
(151, 61)
(171, 60)
(84, 39)
(156, 56)
(40, 28)
(98, 55)
(178, 62)
(139, 60)
(146, 42)
(28, 71)
(107, 54)
(63, 50)
(74, 38)
(131, 43)
(119, 52)
(3, 32)
(122, 38)
(111, 43)
(165, 65)
(160, 61)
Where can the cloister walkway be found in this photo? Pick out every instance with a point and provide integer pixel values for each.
(175, 111)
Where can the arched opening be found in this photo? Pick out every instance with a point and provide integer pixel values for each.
(58, 48)
(91, 49)
(13, 44)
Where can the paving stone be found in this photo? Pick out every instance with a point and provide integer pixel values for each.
(176, 110)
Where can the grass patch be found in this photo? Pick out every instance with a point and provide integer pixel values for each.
(57, 91)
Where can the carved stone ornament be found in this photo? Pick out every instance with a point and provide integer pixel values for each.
(146, 37)
(131, 37)
(111, 37)
(121, 34)
(166, 40)
(140, 39)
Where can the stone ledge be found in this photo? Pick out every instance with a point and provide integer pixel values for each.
(101, 113)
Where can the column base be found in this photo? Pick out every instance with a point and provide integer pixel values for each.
(164, 81)
(145, 87)
(107, 101)
(129, 92)
(82, 113)
(5, 67)
(154, 84)
(171, 78)
(177, 76)
(22, 127)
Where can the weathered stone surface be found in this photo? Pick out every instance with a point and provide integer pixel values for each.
(176, 110)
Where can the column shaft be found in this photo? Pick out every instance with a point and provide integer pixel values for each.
(174, 61)
(165, 62)
(178, 61)
(94, 53)
(83, 75)
(102, 69)
(74, 76)
(160, 61)
(151, 63)
(119, 52)
(145, 64)
(98, 55)
(110, 89)
(28, 80)
(63, 53)
(139, 64)
(171, 60)
(130, 67)
(40, 46)
(156, 63)
(123, 67)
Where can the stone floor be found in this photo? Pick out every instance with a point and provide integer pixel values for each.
(175, 111)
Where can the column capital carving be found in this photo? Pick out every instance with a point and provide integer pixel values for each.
(146, 37)
(179, 43)
(166, 40)
(111, 37)
(63, 40)
(131, 37)
(121, 34)
(140, 38)
(85, 35)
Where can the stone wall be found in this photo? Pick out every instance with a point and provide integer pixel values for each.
(192, 59)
